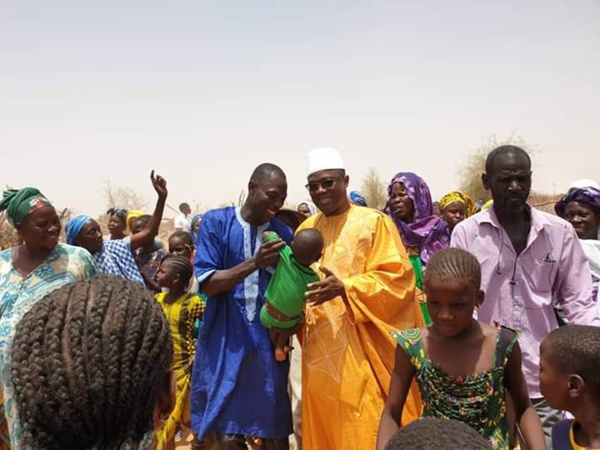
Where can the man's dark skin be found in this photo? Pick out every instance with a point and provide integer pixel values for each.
(332, 202)
(267, 191)
(508, 177)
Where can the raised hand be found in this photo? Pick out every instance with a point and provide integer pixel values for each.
(325, 290)
(159, 184)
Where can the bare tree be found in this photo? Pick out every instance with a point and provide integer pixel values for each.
(374, 189)
(469, 172)
(123, 197)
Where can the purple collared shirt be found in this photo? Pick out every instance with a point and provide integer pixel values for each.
(522, 291)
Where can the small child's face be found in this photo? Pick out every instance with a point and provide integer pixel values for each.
(165, 277)
(451, 304)
(553, 384)
(306, 254)
(177, 247)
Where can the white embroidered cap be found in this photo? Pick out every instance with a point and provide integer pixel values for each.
(325, 158)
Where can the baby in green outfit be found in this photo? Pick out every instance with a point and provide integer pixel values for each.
(284, 306)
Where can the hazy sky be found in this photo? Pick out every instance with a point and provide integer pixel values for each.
(203, 91)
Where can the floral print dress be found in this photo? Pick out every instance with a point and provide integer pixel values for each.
(18, 294)
(477, 399)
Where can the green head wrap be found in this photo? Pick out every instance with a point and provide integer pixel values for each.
(20, 203)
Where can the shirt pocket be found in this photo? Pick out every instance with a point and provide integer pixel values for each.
(539, 277)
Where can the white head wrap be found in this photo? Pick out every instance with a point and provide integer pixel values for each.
(325, 158)
(584, 183)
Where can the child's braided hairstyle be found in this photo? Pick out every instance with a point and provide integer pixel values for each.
(88, 361)
(438, 434)
(453, 264)
(181, 266)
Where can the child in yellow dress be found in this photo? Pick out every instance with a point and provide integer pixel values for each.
(181, 309)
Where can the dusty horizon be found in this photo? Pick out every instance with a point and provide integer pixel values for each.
(203, 92)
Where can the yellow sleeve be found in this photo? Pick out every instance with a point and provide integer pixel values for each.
(385, 290)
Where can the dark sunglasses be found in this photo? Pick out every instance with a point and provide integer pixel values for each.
(327, 183)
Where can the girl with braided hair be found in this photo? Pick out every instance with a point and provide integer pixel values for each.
(182, 310)
(91, 368)
(463, 367)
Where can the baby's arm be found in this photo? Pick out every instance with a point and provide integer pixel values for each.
(399, 385)
(525, 414)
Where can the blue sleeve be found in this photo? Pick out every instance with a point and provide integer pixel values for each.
(209, 246)
(284, 232)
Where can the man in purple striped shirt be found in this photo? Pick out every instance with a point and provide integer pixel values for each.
(531, 262)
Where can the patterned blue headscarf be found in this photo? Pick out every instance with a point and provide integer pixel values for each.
(74, 227)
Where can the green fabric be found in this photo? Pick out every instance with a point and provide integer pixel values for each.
(19, 203)
(415, 261)
(477, 399)
(198, 322)
(425, 312)
(271, 236)
(286, 289)
(270, 322)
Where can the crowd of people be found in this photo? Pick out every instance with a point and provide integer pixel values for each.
(332, 326)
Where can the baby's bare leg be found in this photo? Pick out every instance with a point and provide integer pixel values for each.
(276, 339)
(283, 343)
(273, 333)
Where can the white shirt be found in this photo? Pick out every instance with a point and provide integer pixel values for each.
(183, 223)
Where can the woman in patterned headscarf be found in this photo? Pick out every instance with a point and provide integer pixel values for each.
(456, 207)
(409, 205)
(27, 273)
(423, 233)
(581, 207)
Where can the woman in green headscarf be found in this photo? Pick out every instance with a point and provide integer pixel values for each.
(27, 273)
